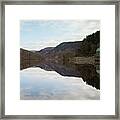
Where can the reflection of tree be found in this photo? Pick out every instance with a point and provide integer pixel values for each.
(28, 59)
(85, 71)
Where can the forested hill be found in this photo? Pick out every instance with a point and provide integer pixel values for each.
(87, 47)
(67, 50)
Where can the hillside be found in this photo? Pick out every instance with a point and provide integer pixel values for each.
(78, 51)
(28, 58)
(67, 50)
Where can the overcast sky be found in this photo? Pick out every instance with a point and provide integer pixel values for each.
(36, 35)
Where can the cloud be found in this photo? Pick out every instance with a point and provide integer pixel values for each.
(28, 30)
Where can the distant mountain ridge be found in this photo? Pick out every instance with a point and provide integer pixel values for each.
(45, 50)
(66, 50)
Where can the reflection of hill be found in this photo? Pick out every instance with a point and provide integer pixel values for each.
(85, 71)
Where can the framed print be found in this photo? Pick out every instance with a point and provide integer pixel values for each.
(59, 59)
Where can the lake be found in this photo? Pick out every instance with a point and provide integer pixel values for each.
(42, 82)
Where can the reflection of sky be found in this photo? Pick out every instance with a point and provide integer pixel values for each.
(40, 84)
(35, 35)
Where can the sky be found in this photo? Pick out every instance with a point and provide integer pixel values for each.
(39, 34)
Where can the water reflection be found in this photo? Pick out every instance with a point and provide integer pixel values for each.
(39, 84)
(88, 72)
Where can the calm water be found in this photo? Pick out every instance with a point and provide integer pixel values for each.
(40, 84)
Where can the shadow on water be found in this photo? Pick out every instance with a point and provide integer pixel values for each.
(89, 72)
